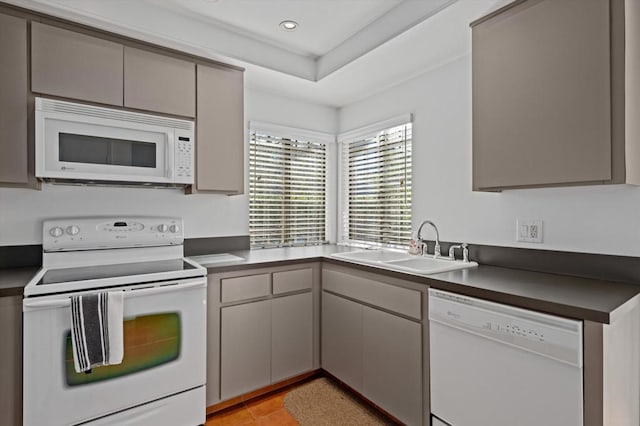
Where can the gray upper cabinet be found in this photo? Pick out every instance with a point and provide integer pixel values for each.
(632, 92)
(13, 100)
(545, 110)
(159, 83)
(73, 65)
(220, 130)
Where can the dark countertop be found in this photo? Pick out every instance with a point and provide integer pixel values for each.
(574, 297)
(13, 280)
(582, 298)
(277, 256)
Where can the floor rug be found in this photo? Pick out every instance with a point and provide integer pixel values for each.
(322, 402)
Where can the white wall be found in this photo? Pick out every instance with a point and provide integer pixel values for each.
(22, 210)
(270, 108)
(593, 219)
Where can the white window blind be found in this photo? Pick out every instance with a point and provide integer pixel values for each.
(287, 190)
(376, 187)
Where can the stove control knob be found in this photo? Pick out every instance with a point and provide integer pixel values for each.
(162, 228)
(73, 230)
(174, 228)
(56, 231)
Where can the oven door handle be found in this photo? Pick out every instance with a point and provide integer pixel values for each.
(145, 291)
(148, 291)
(42, 304)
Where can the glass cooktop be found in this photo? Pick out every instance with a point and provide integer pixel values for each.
(85, 273)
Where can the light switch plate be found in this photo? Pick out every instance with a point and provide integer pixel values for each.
(529, 231)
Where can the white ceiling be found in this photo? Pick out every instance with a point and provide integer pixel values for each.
(434, 42)
(344, 50)
(322, 24)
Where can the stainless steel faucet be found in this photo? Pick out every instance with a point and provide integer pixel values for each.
(436, 250)
(465, 252)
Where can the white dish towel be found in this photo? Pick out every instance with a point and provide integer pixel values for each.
(96, 330)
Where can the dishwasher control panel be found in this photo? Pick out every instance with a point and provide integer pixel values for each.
(553, 336)
(516, 330)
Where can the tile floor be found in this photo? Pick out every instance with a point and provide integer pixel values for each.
(264, 411)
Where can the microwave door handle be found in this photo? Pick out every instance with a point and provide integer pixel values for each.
(169, 154)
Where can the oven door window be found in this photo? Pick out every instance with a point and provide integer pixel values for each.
(74, 148)
(149, 341)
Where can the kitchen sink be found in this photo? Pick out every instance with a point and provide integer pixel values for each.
(375, 256)
(429, 265)
(403, 262)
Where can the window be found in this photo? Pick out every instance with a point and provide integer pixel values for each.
(287, 189)
(376, 185)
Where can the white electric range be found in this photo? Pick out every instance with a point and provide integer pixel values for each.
(161, 380)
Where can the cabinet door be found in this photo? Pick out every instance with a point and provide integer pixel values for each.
(342, 339)
(220, 130)
(392, 364)
(291, 336)
(245, 348)
(542, 95)
(73, 65)
(11, 358)
(13, 100)
(159, 83)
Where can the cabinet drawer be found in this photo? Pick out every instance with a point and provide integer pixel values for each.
(396, 299)
(248, 287)
(299, 279)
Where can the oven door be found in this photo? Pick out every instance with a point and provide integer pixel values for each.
(90, 148)
(164, 354)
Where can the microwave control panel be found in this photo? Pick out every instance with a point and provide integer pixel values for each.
(184, 157)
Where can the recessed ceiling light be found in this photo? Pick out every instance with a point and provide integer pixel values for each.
(288, 25)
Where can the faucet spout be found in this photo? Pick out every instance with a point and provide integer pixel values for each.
(436, 250)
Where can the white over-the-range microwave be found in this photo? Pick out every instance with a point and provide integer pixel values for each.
(89, 144)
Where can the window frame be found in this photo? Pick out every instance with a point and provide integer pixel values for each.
(344, 139)
(292, 133)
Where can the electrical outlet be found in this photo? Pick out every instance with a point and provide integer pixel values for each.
(529, 231)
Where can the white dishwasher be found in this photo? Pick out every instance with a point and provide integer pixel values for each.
(497, 365)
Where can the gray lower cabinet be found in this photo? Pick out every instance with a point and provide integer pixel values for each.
(265, 342)
(159, 83)
(342, 339)
(392, 364)
(257, 337)
(13, 100)
(11, 360)
(372, 339)
(245, 348)
(74, 65)
(220, 130)
(291, 336)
